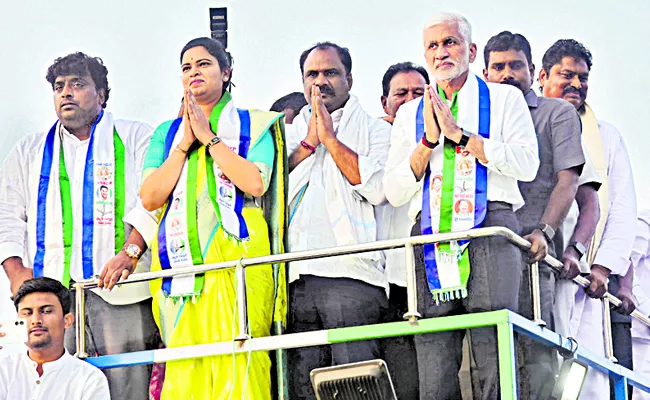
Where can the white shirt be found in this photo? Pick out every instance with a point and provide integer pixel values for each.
(618, 236)
(312, 229)
(511, 150)
(640, 261)
(20, 167)
(67, 378)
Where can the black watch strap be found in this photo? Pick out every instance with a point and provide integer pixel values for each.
(580, 248)
(547, 230)
(465, 138)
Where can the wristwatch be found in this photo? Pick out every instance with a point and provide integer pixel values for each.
(212, 142)
(580, 249)
(547, 231)
(133, 251)
(464, 139)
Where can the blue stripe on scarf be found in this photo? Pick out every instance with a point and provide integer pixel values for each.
(88, 211)
(244, 144)
(481, 183)
(162, 231)
(88, 207)
(41, 210)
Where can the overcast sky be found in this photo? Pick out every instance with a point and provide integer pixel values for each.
(140, 43)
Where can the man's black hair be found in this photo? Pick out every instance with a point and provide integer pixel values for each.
(216, 50)
(102, 187)
(44, 285)
(505, 41)
(80, 64)
(294, 101)
(343, 53)
(565, 48)
(399, 68)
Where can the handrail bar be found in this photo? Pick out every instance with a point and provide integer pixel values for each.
(360, 248)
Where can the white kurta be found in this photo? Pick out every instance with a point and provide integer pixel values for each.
(20, 175)
(586, 316)
(641, 333)
(311, 227)
(511, 150)
(67, 378)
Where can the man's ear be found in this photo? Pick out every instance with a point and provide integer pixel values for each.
(349, 81)
(531, 69)
(472, 52)
(543, 77)
(102, 97)
(485, 74)
(69, 320)
(383, 103)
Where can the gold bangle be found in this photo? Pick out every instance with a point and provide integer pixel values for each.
(177, 148)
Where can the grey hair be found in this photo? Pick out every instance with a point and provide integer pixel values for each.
(440, 18)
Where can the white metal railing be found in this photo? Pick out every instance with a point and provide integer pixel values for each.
(412, 314)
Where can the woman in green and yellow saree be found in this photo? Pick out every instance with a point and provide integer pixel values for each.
(217, 177)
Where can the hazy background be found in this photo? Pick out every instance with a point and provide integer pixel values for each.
(140, 43)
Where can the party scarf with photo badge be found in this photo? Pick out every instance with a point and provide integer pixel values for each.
(178, 238)
(454, 199)
(102, 206)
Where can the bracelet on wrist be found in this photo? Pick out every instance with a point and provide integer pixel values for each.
(427, 143)
(307, 146)
(178, 148)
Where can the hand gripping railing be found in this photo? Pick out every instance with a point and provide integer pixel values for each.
(412, 314)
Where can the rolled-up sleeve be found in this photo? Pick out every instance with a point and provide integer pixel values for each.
(13, 203)
(400, 184)
(371, 166)
(616, 244)
(515, 153)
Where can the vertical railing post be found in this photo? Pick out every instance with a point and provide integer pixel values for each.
(80, 321)
(620, 387)
(607, 331)
(242, 303)
(507, 360)
(535, 294)
(412, 313)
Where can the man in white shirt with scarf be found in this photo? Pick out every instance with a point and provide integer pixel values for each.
(336, 158)
(565, 74)
(461, 121)
(51, 188)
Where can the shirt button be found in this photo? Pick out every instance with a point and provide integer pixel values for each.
(38, 382)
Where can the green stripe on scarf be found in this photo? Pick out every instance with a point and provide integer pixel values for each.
(66, 212)
(192, 220)
(447, 199)
(120, 190)
(66, 204)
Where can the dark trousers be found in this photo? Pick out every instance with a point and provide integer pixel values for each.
(493, 285)
(113, 329)
(621, 336)
(326, 303)
(399, 352)
(538, 363)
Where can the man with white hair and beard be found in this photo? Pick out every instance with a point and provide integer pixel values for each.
(461, 119)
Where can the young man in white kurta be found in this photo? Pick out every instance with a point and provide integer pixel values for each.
(116, 321)
(509, 154)
(44, 370)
